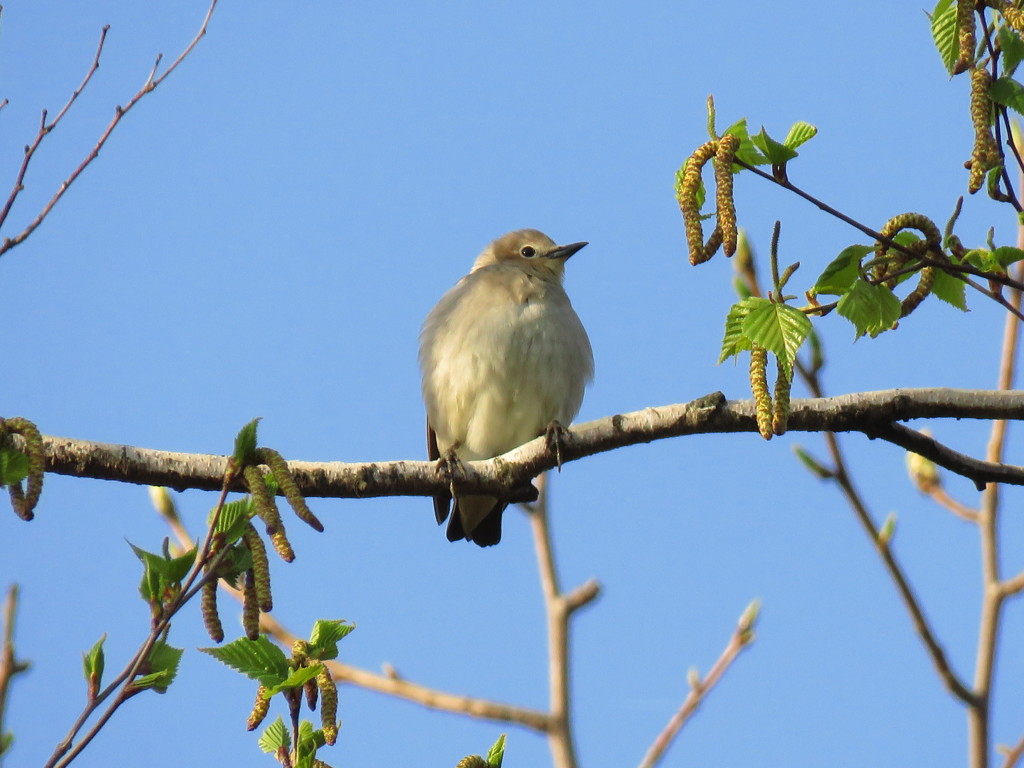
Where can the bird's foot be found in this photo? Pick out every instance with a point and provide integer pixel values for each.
(555, 435)
(451, 465)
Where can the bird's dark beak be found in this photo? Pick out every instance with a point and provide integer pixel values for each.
(565, 251)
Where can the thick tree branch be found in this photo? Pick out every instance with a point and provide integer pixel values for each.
(872, 413)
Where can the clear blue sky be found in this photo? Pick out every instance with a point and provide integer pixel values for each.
(262, 237)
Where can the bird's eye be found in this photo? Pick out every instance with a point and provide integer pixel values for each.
(527, 251)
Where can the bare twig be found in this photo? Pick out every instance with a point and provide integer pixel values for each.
(995, 590)
(9, 663)
(392, 683)
(45, 129)
(119, 112)
(741, 638)
(1012, 755)
(559, 608)
(943, 499)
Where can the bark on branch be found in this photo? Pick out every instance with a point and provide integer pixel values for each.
(875, 414)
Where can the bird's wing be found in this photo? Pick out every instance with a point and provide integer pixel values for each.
(443, 500)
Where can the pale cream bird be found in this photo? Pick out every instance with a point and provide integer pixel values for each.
(503, 355)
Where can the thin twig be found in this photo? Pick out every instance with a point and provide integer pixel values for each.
(119, 112)
(392, 683)
(45, 129)
(943, 499)
(995, 590)
(120, 689)
(559, 608)
(9, 663)
(741, 638)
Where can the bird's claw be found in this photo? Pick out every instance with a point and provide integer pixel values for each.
(555, 434)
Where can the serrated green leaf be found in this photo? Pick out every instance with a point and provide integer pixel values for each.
(13, 466)
(275, 737)
(871, 308)
(944, 33)
(1009, 93)
(777, 154)
(780, 329)
(496, 753)
(325, 636)
(232, 519)
(163, 661)
(6, 740)
(980, 258)
(1005, 255)
(842, 271)
(1012, 47)
(245, 442)
(92, 666)
(259, 659)
(735, 341)
(800, 133)
(950, 289)
(296, 679)
(746, 151)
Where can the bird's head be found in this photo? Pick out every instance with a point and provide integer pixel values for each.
(529, 249)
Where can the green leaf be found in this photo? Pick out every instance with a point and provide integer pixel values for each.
(310, 741)
(945, 33)
(92, 666)
(6, 740)
(259, 659)
(275, 737)
(296, 679)
(1005, 255)
(163, 661)
(746, 151)
(950, 289)
(245, 442)
(1009, 93)
(1012, 46)
(13, 466)
(161, 574)
(496, 752)
(325, 636)
(777, 154)
(780, 329)
(735, 341)
(844, 269)
(799, 133)
(871, 308)
(232, 519)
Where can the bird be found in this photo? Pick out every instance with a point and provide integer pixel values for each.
(504, 358)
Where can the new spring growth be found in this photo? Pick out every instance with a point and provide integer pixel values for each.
(924, 474)
(208, 607)
(328, 705)
(161, 499)
(260, 567)
(1013, 15)
(24, 501)
(259, 709)
(745, 626)
(780, 412)
(965, 30)
(289, 487)
(888, 261)
(985, 154)
(888, 530)
(759, 388)
(266, 509)
(250, 607)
